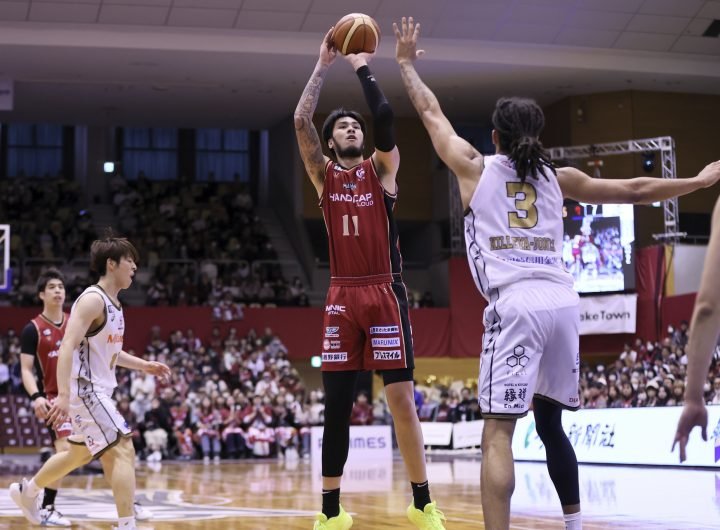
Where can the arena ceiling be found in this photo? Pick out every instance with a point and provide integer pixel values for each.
(244, 62)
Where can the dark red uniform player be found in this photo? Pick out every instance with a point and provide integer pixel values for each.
(366, 323)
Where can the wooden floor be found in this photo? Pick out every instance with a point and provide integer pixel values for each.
(282, 495)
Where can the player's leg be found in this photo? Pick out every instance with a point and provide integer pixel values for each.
(26, 494)
(401, 400)
(497, 475)
(389, 349)
(561, 460)
(557, 388)
(342, 359)
(515, 334)
(119, 467)
(50, 516)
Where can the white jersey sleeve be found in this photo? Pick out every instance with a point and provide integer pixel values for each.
(514, 229)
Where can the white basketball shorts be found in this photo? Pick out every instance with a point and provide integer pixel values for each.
(96, 421)
(531, 348)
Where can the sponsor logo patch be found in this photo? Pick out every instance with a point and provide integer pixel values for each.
(387, 355)
(326, 344)
(334, 357)
(384, 330)
(334, 309)
(382, 343)
(331, 332)
(362, 199)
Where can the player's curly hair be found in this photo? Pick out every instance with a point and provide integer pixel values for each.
(518, 122)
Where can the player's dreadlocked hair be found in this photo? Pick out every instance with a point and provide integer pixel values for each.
(518, 122)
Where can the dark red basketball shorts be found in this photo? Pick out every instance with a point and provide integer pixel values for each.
(367, 327)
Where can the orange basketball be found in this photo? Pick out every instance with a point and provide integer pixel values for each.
(355, 33)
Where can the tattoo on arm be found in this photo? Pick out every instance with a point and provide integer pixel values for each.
(421, 96)
(307, 136)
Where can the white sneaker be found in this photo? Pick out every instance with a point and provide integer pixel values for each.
(51, 517)
(216, 459)
(206, 459)
(157, 456)
(30, 506)
(142, 513)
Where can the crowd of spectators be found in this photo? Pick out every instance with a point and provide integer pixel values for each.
(234, 396)
(231, 396)
(200, 244)
(646, 374)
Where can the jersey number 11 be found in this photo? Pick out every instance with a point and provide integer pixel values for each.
(346, 224)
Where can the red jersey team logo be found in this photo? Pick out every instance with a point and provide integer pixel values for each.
(360, 173)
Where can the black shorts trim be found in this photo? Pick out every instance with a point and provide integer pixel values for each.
(399, 375)
(499, 416)
(400, 292)
(104, 450)
(557, 403)
(75, 443)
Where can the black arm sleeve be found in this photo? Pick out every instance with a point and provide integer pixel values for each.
(29, 340)
(380, 108)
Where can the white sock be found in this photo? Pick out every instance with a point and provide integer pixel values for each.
(32, 489)
(126, 523)
(573, 521)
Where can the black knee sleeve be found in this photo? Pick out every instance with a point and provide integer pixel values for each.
(339, 397)
(561, 461)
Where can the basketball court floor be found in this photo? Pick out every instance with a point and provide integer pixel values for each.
(275, 494)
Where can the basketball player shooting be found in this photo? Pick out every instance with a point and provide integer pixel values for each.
(366, 324)
(514, 231)
(90, 350)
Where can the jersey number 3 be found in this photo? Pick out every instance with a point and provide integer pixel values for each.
(525, 197)
(346, 224)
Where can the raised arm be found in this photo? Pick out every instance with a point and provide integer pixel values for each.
(386, 156)
(307, 136)
(461, 157)
(641, 190)
(704, 330)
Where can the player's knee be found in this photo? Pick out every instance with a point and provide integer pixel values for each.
(402, 407)
(61, 445)
(126, 449)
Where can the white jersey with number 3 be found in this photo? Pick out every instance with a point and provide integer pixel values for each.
(95, 358)
(514, 230)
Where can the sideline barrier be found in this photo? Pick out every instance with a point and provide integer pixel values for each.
(369, 466)
(463, 434)
(641, 436)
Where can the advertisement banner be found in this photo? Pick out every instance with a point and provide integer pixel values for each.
(467, 434)
(642, 436)
(436, 433)
(367, 443)
(616, 313)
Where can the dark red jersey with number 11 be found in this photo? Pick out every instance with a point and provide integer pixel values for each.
(363, 236)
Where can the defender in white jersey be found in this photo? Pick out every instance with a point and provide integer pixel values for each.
(513, 230)
(88, 355)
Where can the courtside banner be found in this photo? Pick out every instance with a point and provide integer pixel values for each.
(367, 442)
(467, 434)
(642, 436)
(436, 433)
(615, 313)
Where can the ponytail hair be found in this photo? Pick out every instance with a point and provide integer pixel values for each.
(518, 122)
